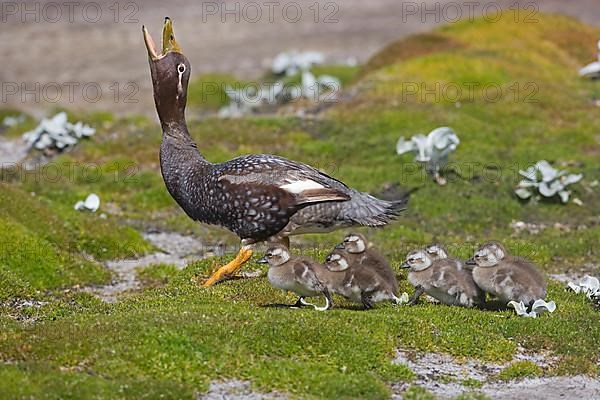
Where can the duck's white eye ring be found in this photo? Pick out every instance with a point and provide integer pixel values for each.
(181, 68)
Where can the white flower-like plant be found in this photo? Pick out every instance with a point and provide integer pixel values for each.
(538, 307)
(313, 88)
(432, 150)
(592, 70)
(57, 133)
(547, 181)
(590, 286)
(249, 99)
(12, 120)
(290, 63)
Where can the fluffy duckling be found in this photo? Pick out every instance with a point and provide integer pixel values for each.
(436, 251)
(359, 252)
(357, 283)
(296, 274)
(442, 280)
(506, 277)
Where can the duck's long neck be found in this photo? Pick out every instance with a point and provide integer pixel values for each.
(179, 157)
(177, 142)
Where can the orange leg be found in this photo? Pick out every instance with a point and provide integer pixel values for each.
(230, 268)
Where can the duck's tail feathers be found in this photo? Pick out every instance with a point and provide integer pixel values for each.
(368, 210)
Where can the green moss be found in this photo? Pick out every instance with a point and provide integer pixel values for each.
(208, 91)
(40, 382)
(472, 396)
(471, 383)
(34, 263)
(519, 370)
(67, 229)
(156, 275)
(417, 393)
(17, 130)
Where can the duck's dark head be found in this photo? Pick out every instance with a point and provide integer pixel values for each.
(170, 71)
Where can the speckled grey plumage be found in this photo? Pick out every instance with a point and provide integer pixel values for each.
(244, 194)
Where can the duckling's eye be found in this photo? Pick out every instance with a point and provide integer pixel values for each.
(172, 37)
(181, 68)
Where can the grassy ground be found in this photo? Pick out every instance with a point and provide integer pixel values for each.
(173, 338)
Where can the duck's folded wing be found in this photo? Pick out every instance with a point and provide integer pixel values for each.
(306, 276)
(304, 183)
(445, 279)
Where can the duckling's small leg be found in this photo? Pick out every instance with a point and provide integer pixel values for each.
(419, 290)
(303, 302)
(328, 302)
(230, 268)
(366, 301)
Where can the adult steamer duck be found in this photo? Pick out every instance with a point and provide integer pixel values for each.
(259, 197)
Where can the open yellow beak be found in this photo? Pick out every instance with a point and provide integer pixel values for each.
(169, 44)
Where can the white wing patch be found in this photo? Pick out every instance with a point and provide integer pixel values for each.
(300, 186)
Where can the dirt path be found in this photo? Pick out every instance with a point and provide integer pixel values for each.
(12, 151)
(443, 376)
(54, 57)
(176, 249)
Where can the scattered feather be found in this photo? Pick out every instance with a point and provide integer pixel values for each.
(91, 203)
(404, 298)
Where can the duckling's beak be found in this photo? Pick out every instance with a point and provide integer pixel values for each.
(405, 266)
(263, 260)
(470, 261)
(169, 44)
(340, 246)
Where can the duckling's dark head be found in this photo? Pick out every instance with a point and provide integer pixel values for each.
(170, 71)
